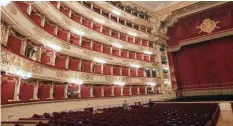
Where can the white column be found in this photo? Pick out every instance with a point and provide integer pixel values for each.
(112, 89)
(102, 68)
(5, 34)
(145, 89)
(130, 90)
(91, 91)
(67, 62)
(102, 91)
(122, 90)
(39, 54)
(79, 91)
(53, 58)
(35, 90)
(23, 46)
(17, 90)
(51, 91)
(138, 90)
(66, 91)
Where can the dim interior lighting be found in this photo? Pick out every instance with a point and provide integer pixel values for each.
(4, 3)
(57, 48)
(116, 12)
(81, 33)
(151, 83)
(132, 33)
(119, 83)
(99, 20)
(135, 65)
(148, 52)
(99, 60)
(76, 81)
(118, 45)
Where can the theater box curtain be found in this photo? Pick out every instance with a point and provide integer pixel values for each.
(7, 88)
(43, 91)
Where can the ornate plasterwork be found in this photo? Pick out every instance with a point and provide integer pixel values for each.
(117, 79)
(208, 25)
(11, 8)
(92, 53)
(145, 80)
(73, 75)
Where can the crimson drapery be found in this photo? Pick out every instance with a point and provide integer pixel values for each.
(14, 43)
(126, 91)
(139, 56)
(73, 64)
(130, 39)
(43, 91)
(36, 18)
(46, 56)
(106, 49)
(107, 91)
(186, 28)
(62, 34)
(132, 55)
(125, 71)
(49, 27)
(26, 91)
(133, 72)
(123, 37)
(106, 30)
(107, 69)
(86, 66)
(142, 90)
(97, 92)
(115, 34)
(138, 41)
(54, 3)
(115, 52)
(74, 88)
(117, 91)
(7, 88)
(85, 91)
(146, 57)
(22, 5)
(152, 58)
(205, 65)
(86, 43)
(172, 70)
(97, 27)
(65, 10)
(124, 53)
(97, 46)
(134, 90)
(74, 39)
(116, 70)
(86, 22)
(75, 17)
(60, 61)
(144, 42)
(58, 91)
(97, 68)
(141, 72)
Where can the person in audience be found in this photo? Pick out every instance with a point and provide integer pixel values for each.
(125, 106)
(150, 103)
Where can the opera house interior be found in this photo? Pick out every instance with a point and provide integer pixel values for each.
(116, 63)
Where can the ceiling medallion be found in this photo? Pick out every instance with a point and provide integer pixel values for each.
(208, 25)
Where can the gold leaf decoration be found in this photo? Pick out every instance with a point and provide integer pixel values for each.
(208, 25)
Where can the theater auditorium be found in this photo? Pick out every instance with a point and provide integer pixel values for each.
(116, 63)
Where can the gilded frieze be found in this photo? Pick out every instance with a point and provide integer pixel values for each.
(118, 78)
(11, 8)
(208, 25)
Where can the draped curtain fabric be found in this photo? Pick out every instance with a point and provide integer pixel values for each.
(7, 88)
(146, 57)
(141, 72)
(205, 65)
(85, 91)
(130, 39)
(58, 91)
(96, 27)
(117, 70)
(62, 34)
(26, 91)
(22, 5)
(74, 39)
(139, 56)
(115, 51)
(97, 92)
(49, 27)
(75, 17)
(115, 34)
(43, 91)
(185, 28)
(107, 69)
(138, 41)
(133, 72)
(106, 30)
(64, 10)
(86, 66)
(86, 43)
(60, 61)
(123, 37)
(125, 71)
(14, 43)
(134, 90)
(73, 64)
(86, 22)
(117, 91)
(36, 18)
(124, 53)
(132, 55)
(97, 68)
(106, 49)
(107, 91)
(97, 46)
(142, 90)
(126, 91)
(46, 56)
(144, 43)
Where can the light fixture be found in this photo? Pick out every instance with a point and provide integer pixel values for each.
(81, 33)
(119, 83)
(76, 81)
(135, 65)
(99, 60)
(118, 45)
(57, 48)
(132, 33)
(99, 20)
(147, 52)
(116, 12)
(4, 3)
(151, 83)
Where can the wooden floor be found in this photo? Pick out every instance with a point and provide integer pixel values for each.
(225, 118)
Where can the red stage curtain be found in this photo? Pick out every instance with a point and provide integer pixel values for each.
(97, 68)
(115, 34)
(117, 91)
(116, 70)
(36, 18)
(62, 34)
(86, 22)
(74, 88)
(185, 28)
(124, 53)
(107, 91)
(172, 70)
(123, 37)
(146, 57)
(126, 91)
(22, 5)
(97, 92)
(85, 91)
(138, 41)
(49, 27)
(115, 52)
(74, 39)
(26, 91)
(86, 66)
(152, 58)
(131, 55)
(130, 39)
(144, 42)
(86, 43)
(58, 91)
(141, 72)
(125, 71)
(139, 56)
(134, 90)
(133, 72)
(97, 27)
(106, 30)
(60, 61)
(208, 64)
(142, 90)
(14, 43)
(43, 91)
(107, 69)
(97, 46)
(106, 49)
(46, 56)
(73, 64)
(7, 88)
(65, 10)
(76, 17)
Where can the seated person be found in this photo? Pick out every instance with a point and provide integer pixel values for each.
(150, 103)
(125, 105)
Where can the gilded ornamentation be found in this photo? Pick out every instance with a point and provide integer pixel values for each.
(119, 78)
(85, 76)
(37, 69)
(144, 80)
(208, 25)
(11, 8)
(42, 34)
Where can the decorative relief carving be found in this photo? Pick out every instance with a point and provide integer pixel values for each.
(91, 53)
(113, 78)
(37, 69)
(144, 80)
(11, 8)
(208, 25)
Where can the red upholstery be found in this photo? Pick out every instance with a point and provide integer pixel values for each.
(139, 56)
(14, 44)
(97, 68)
(97, 27)
(50, 28)
(60, 61)
(124, 53)
(115, 52)
(26, 91)
(117, 70)
(43, 91)
(130, 39)
(133, 72)
(86, 22)
(62, 34)
(97, 46)
(85, 91)
(46, 56)
(123, 37)
(126, 91)
(58, 91)
(65, 10)
(97, 92)
(106, 31)
(36, 18)
(107, 69)
(146, 57)
(76, 17)
(125, 71)
(115, 34)
(86, 66)
(74, 39)
(142, 90)
(144, 42)
(86, 43)
(134, 90)
(22, 5)
(106, 49)
(131, 55)
(107, 90)
(73, 64)
(138, 41)
(117, 91)
(141, 72)
(7, 88)
(152, 58)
